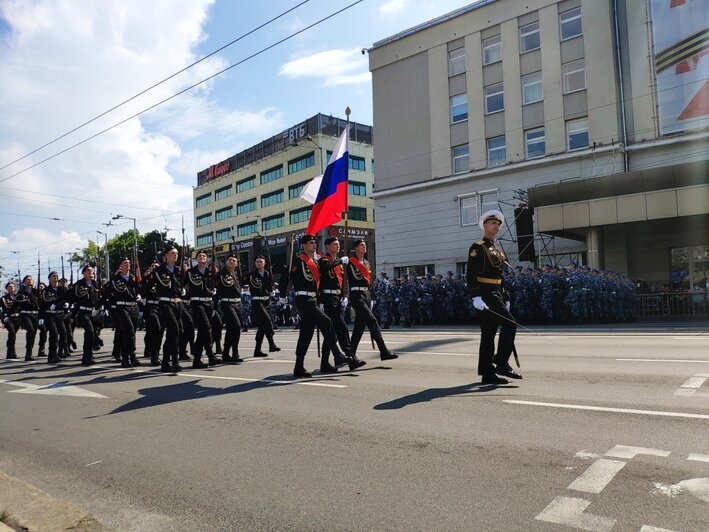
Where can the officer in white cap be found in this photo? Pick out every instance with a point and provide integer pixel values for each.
(485, 286)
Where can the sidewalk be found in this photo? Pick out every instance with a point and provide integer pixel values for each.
(31, 509)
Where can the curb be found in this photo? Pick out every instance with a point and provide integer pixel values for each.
(35, 510)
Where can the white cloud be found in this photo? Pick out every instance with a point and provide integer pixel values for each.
(334, 67)
(195, 160)
(32, 240)
(392, 6)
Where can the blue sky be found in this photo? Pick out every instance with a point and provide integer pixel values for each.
(65, 61)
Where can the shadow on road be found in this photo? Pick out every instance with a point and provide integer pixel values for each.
(437, 393)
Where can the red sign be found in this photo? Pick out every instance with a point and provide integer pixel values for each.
(218, 169)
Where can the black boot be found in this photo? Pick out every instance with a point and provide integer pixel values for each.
(198, 364)
(154, 360)
(355, 363)
(257, 350)
(134, 362)
(299, 370)
(325, 367)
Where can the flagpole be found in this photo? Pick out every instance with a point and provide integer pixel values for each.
(345, 214)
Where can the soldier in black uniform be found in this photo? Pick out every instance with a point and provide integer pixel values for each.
(199, 285)
(41, 329)
(332, 271)
(122, 293)
(151, 316)
(228, 296)
(260, 286)
(50, 304)
(484, 279)
(305, 275)
(359, 277)
(85, 297)
(26, 301)
(10, 313)
(168, 289)
(186, 319)
(66, 315)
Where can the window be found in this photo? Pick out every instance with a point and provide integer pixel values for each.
(223, 214)
(357, 213)
(577, 134)
(246, 229)
(272, 222)
(461, 159)
(357, 188)
(222, 193)
(469, 210)
(204, 220)
(570, 24)
(459, 108)
(357, 163)
(246, 184)
(492, 50)
(532, 90)
(535, 143)
(494, 98)
(223, 234)
(574, 75)
(294, 191)
(496, 151)
(271, 175)
(246, 206)
(300, 215)
(272, 198)
(456, 62)
(204, 240)
(203, 200)
(529, 37)
(301, 163)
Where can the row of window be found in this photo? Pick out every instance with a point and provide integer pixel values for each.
(529, 39)
(296, 216)
(534, 144)
(573, 78)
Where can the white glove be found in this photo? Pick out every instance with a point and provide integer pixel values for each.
(94, 312)
(6, 319)
(138, 298)
(66, 305)
(344, 302)
(214, 313)
(282, 300)
(507, 305)
(396, 300)
(52, 307)
(372, 303)
(105, 312)
(322, 306)
(184, 292)
(41, 322)
(345, 260)
(479, 304)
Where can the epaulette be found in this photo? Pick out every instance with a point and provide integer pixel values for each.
(480, 242)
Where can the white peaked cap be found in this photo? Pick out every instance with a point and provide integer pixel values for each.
(493, 214)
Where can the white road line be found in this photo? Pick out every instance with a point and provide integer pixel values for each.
(662, 360)
(569, 511)
(647, 528)
(608, 409)
(269, 381)
(695, 382)
(434, 353)
(698, 457)
(685, 392)
(597, 476)
(94, 463)
(626, 451)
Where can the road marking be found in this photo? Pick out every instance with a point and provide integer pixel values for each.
(626, 451)
(586, 455)
(569, 511)
(432, 353)
(57, 388)
(608, 409)
(662, 360)
(695, 382)
(94, 463)
(597, 476)
(698, 457)
(269, 381)
(647, 528)
(691, 386)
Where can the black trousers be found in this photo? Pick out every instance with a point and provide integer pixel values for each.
(85, 321)
(170, 316)
(68, 328)
(261, 316)
(12, 324)
(62, 338)
(153, 330)
(50, 325)
(489, 324)
(187, 333)
(29, 324)
(217, 323)
(310, 316)
(202, 314)
(42, 336)
(364, 318)
(232, 318)
(125, 319)
(331, 306)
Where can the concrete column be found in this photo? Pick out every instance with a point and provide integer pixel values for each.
(594, 248)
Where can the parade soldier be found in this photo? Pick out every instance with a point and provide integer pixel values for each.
(332, 270)
(122, 294)
(168, 289)
(10, 312)
(50, 304)
(26, 301)
(66, 314)
(199, 290)
(359, 277)
(484, 280)
(260, 287)
(84, 295)
(229, 297)
(151, 316)
(186, 319)
(305, 276)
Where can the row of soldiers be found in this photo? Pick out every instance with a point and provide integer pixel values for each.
(550, 295)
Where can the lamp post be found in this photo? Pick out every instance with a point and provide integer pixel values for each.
(105, 251)
(135, 235)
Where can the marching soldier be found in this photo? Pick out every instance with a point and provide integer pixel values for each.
(332, 270)
(66, 315)
(198, 281)
(10, 312)
(26, 302)
(484, 279)
(359, 276)
(229, 297)
(260, 286)
(168, 289)
(122, 293)
(50, 304)
(85, 297)
(151, 316)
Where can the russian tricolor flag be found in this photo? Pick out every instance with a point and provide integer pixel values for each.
(328, 192)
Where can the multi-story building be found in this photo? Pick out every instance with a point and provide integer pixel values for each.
(250, 203)
(593, 113)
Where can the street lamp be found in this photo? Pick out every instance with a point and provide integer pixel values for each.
(105, 250)
(135, 236)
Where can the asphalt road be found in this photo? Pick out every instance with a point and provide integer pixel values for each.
(609, 430)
